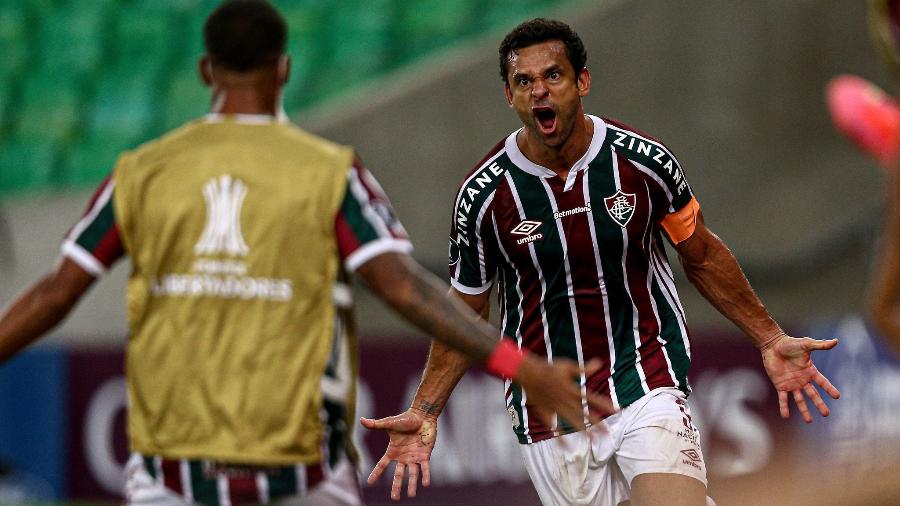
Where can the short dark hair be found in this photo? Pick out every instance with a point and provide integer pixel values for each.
(243, 35)
(540, 30)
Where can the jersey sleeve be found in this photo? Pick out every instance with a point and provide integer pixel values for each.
(366, 225)
(473, 243)
(675, 206)
(94, 243)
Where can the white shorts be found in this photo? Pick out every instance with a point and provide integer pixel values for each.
(653, 435)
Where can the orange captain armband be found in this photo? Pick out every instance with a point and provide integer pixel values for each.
(505, 360)
(681, 224)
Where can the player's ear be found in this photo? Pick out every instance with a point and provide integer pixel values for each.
(284, 69)
(584, 82)
(206, 71)
(508, 93)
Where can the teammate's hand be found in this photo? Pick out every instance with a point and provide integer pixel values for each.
(552, 389)
(412, 436)
(789, 366)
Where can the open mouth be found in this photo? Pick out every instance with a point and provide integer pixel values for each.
(546, 119)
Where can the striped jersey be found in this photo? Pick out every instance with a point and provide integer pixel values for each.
(582, 272)
(241, 231)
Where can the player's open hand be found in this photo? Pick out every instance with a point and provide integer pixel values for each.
(789, 366)
(412, 436)
(553, 389)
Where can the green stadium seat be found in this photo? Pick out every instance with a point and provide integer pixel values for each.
(69, 39)
(48, 111)
(145, 36)
(430, 24)
(92, 160)
(123, 105)
(187, 98)
(26, 165)
(13, 37)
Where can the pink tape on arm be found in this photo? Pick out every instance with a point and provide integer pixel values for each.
(505, 360)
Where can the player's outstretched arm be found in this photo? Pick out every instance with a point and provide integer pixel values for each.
(884, 299)
(42, 307)
(712, 268)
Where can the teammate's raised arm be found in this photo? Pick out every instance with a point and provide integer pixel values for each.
(420, 298)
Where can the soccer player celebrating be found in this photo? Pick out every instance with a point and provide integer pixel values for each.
(241, 228)
(568, 214)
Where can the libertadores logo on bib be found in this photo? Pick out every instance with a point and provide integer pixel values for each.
(620, 207)
(211, 275)
(224, 200)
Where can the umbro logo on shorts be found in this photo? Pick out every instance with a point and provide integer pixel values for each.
(692, 454)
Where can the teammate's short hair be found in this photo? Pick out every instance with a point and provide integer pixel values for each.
(243, 35)
(540, 30)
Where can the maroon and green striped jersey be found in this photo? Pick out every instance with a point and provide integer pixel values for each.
(580, 264)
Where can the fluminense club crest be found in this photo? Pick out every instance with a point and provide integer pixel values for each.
(224, 200)
(620, 207)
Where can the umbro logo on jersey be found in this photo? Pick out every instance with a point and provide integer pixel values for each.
(525, 228)
(222, 234)
(620, 207)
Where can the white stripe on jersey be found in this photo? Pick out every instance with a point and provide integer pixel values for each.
(262, 487)
(222, 488)
(374, 248)
(83, 258)
(187, 486)
(634, 312)
(518, 334)
(648, 238)
(570, 294)
(602, 282)
(656, 178)
(481, 263)
(667, 283)
(537, 267)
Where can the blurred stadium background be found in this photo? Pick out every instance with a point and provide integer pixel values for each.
(735, 88)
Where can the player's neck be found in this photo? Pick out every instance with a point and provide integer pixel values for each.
(561, 158)
(245, 101)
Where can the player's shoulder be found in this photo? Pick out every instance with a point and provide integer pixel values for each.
(488, 172)
(639, 146)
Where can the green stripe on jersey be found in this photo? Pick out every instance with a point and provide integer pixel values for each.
(105, 220)
(352, 212)
(205, 491)
(670, 331)
(282, 482)
(511, 300)
(626, 380)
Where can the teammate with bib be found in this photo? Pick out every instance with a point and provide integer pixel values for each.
(568, 215)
